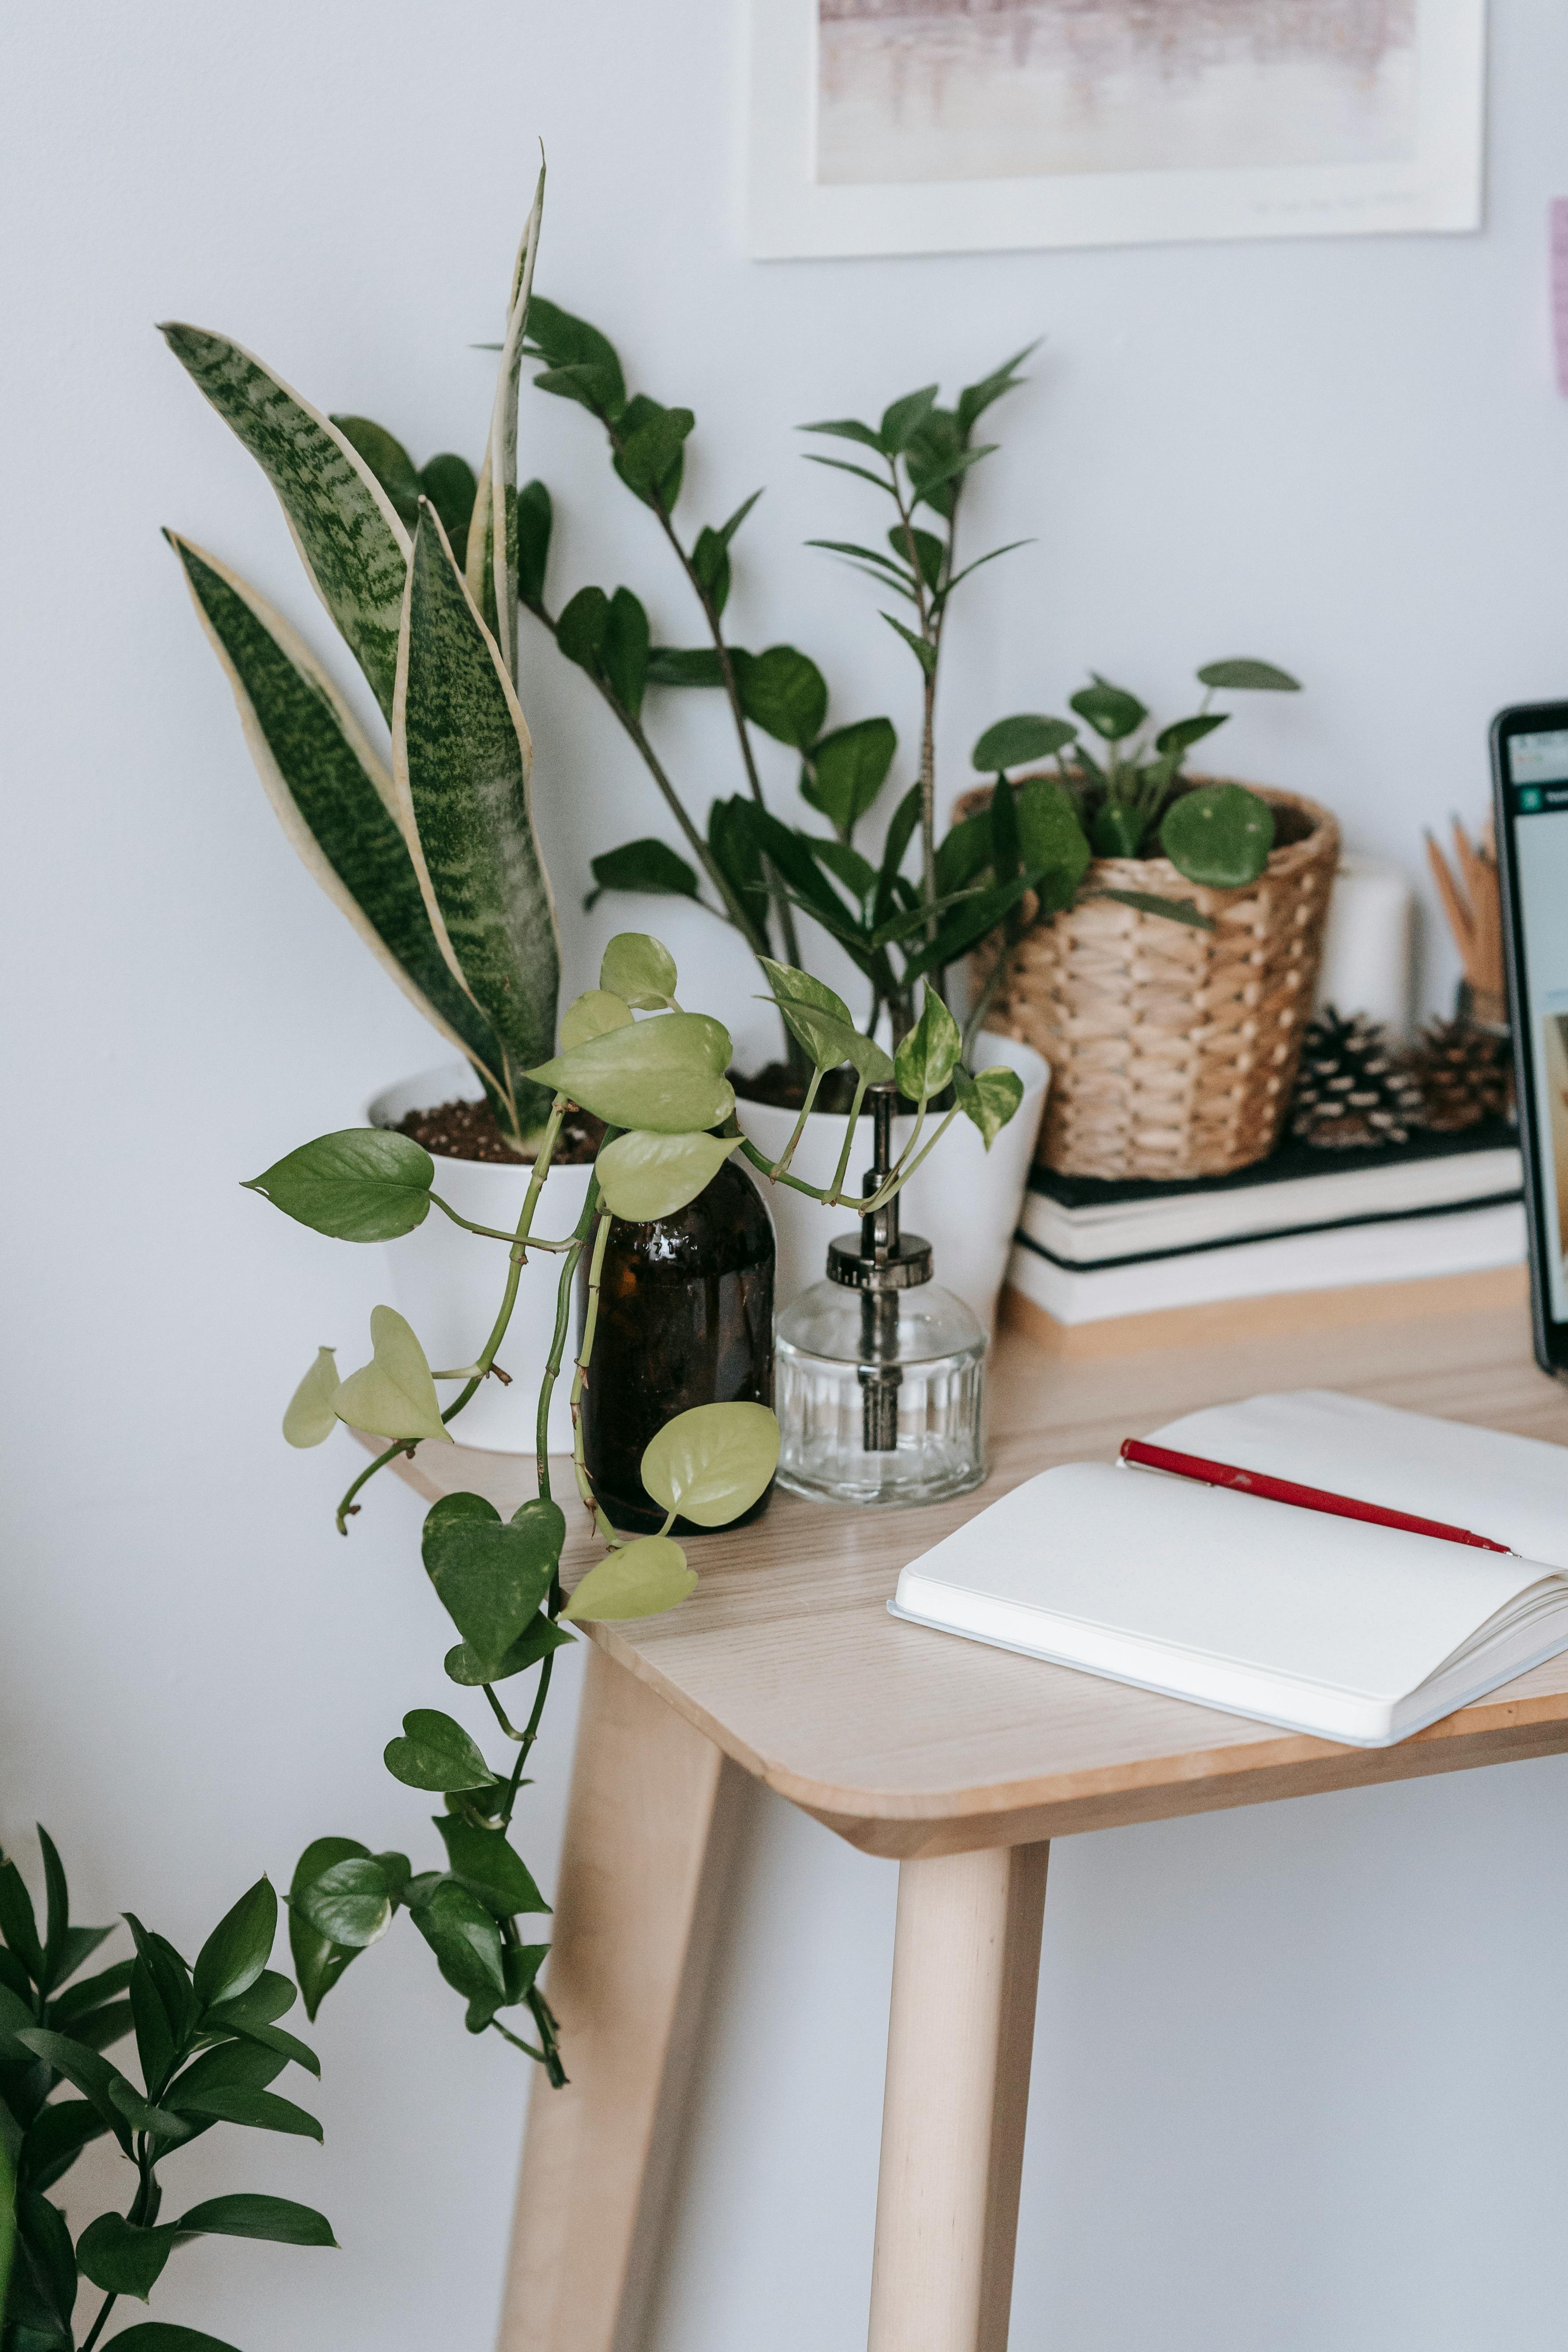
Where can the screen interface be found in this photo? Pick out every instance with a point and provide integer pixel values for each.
(1538, 804)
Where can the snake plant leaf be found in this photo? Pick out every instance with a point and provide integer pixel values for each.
(643, 1176)
(640, 1580)
(332, 794)
(639, 969)
(989, 1099)
(309, 1420)
(591, 1014)
(344, 525)
(714, 1462)
(928, 1057)
(461, 758)
(393, 1394)
(666, 1073)
(492, 547)
(1220, 834)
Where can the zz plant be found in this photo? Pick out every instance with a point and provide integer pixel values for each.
(659, 1084)
(208, 2047)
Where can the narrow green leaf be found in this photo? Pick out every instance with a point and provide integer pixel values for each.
(18, 1923)
(646, 865)
(685, 666)
(393, 1394)
(924, 653)
(260, 2110)
(93, 2076)
(344, 525)
(1253, 676)
(282, 2046)
(277, 2220)
(976, 398)
(493, 570)
(239, 1948)
(736, 848)
(712, 1463)
(1146, 902)
(535, 519)
(857, 873)
(1185, 732)
(43, 2283)
(483, 1862)
(54, 2140)
(639, 1580)
(848, 428)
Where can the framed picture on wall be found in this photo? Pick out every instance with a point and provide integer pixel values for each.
(949, 126)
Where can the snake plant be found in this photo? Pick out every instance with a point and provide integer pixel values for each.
(427, 844)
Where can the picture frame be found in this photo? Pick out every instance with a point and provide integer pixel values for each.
(872, 125)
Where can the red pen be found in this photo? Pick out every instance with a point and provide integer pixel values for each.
(1286, 1490)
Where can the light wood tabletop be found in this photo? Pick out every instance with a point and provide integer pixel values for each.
(911, 1742)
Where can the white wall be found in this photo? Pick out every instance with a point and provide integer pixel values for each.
(1300, 2070)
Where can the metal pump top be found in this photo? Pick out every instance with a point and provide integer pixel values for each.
(883, 1258)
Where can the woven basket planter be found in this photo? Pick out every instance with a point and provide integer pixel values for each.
(1172, 1051)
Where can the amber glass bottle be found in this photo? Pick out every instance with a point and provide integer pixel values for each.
(686, 1316)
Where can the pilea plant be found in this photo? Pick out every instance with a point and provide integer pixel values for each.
(659, 1085)
(208, 2046)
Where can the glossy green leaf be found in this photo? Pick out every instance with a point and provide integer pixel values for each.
(537, 1639)
(484, 1862)
(649, 866)
(640, 969)
(649, 453)
(785, 694)
(592, 1014)
(976, 398)
(434, 1752)
(643, 1176)
(465, 1939)
(78, 1944)
(155, 2043)
(1253, 676)
(989, 1099)
(277, 2220)
(664, 1073)
(1111, 712)
(685, 666)
(93, 2076)
(284, 2047)
(580, 353)
(625, 651)
(448, 482)
(535, 518)
(333, 795)
(349, 1902)
(490, 1576)
(393, 1394)
(121, 2258)
(1052, 844)
(361, 1184)
(344, 525)
(170, 1974)
(712, 1463)
(639, 1580)
(239, 1948)
(928, 1056)
(42, 2288)
(272, 1995)
(581, 628)
(461, 758)
(736, 848)
(259, 2110)
(1012, 741)
(309, 1419)
(319, 1962)
(18, 1922)
(848, 769)
(1220, 836)
(55, 2138)
(16, 2015)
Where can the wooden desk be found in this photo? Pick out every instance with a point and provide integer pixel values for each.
(959, 1761)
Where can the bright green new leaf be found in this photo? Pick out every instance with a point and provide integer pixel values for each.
(393, 1394)
(461, 757)
(332, 794)
(592, 1014)
(310, 1418)
(641, 969)
(643, 1176)
(465, 1939)
(344, 525)
(847, 769)
(490, 1867)
(490, 1576)
(121, 2258)
(319, 1962)
(647, 865)
(435, 1753)
(791, 986)
(785, 694)
(928, 1057)
(829, 1041)
(1112, 711)
(666, 1073)
(239, 1948)
(1220, 834)
(640, 1580)
(1254, 676)
(349, 1902)
(712, 1463)
(990, 1098)
(362, 1184)
(277, 2220)
(1011, 741)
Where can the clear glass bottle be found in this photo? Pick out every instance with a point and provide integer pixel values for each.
(880, 1370)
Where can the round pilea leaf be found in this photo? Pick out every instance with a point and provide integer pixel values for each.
(640, 969)
(640, 1580)
(712, 1463)
(591, 1014)
(643, 1176)
(311, 1416)
(1219, 835)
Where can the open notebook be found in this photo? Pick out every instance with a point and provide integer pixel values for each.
(1351, 1630)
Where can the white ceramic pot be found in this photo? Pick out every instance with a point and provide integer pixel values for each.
(964, 1200)
(449, 1284)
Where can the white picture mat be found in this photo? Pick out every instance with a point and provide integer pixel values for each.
(791, 216)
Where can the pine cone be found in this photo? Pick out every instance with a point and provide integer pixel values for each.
(1350, 1088)
(1465, 1073)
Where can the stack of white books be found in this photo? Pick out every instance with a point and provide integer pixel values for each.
(1301, 1220)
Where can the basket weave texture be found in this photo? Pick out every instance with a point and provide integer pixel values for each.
(1172, 1050)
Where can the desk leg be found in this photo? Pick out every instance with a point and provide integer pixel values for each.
(649, 1832)
(966, 1963)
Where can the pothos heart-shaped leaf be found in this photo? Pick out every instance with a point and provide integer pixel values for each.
(640, 969)
(393, 1394)
(491, 1575)
(640, 1580)
(643, 1176)
(928, 1057)
(591, 1014)
(990, 1098)
(435, 1753)
(311, 1416)
(666, 1074)
(712, 1463)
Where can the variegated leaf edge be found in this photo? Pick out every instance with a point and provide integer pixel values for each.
(492, 569)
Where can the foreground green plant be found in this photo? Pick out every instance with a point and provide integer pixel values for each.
(208, 2045)
(659, 1085)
